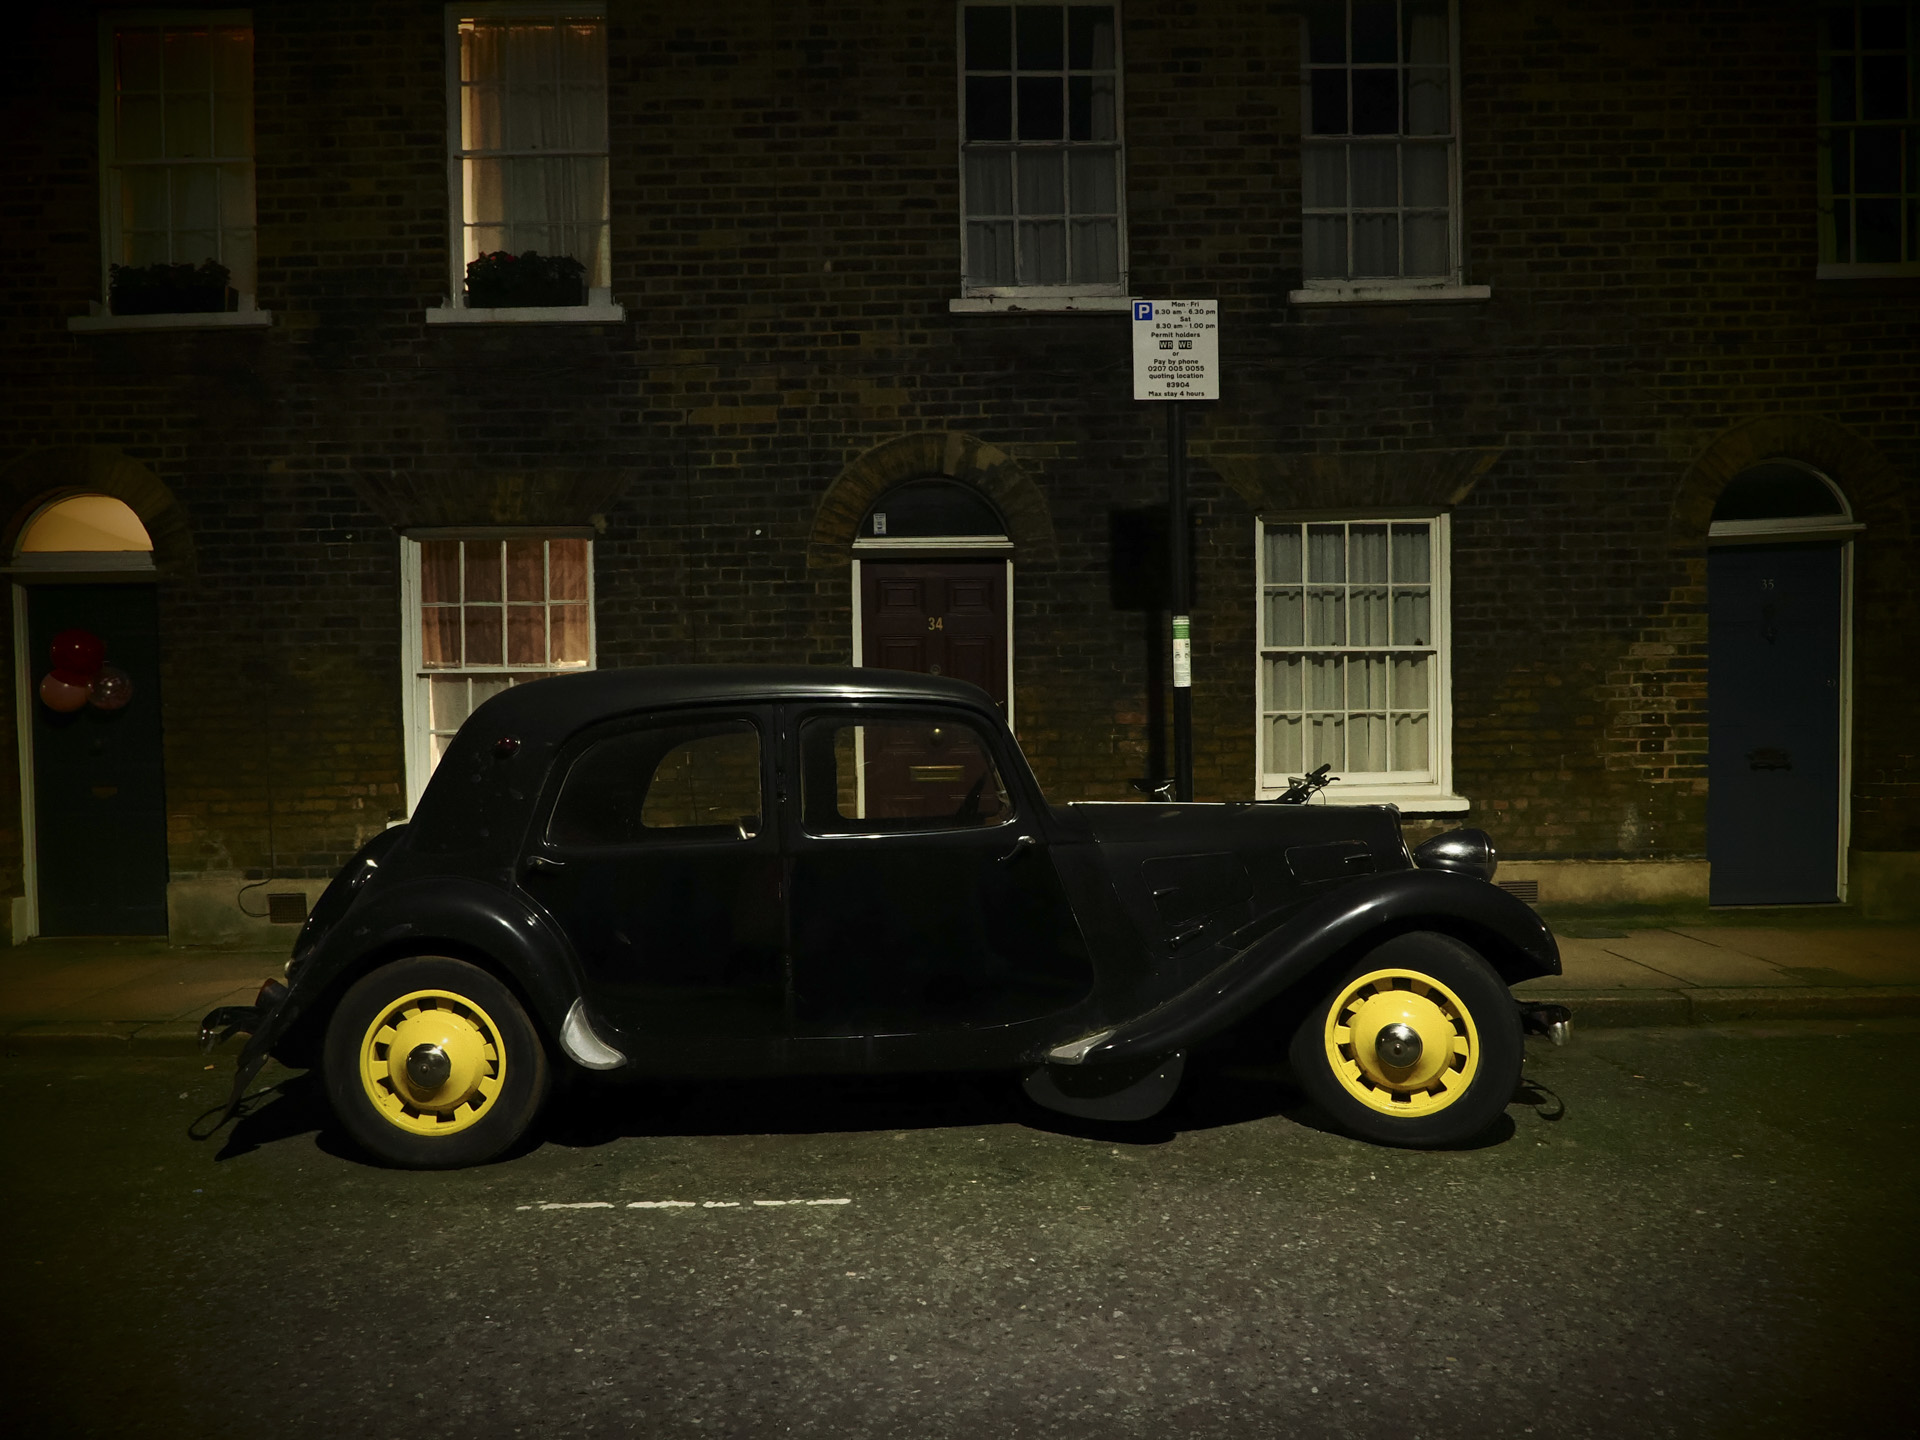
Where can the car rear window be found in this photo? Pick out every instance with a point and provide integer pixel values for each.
(679, 782)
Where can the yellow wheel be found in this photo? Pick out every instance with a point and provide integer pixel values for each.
(1400, 1042)
(1418, 1044)
(432, 1063)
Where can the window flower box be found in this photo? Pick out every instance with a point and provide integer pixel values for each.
(499, 281)
(170, 289)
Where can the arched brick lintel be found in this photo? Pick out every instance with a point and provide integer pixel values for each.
(1870, 483)
(60, 471)
(930, 455)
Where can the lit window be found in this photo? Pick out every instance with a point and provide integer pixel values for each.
(1353, 655)
(1040, 149)
(484, 614)
(1869, 139)
(1378, 154)
(528, 127)
(178, 160)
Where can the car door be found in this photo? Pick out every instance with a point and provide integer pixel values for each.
(658, 859)
(923, 900)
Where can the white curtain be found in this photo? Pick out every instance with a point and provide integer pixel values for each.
(534, 128)
(182, 147)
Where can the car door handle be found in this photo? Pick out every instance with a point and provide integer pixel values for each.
(1020, 847)
(545, 862)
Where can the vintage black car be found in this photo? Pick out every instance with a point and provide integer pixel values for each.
(708, 871)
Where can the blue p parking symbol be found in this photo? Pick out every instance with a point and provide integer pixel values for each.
(1143, 309)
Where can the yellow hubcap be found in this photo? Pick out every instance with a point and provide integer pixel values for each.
(454, 1044)
(1402, 1043)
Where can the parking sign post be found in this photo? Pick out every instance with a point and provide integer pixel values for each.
(1176, 357)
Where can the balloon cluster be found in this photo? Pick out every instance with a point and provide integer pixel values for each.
(81, 675)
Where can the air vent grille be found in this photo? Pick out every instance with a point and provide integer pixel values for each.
(1527, 890)
(288, 908)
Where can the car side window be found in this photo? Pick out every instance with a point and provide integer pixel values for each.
(889, 774)
(673, 782)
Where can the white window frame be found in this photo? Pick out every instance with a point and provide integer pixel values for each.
(1094, 296)
(1433, 792)
(1375, 290)
(100, 316)
(416, 711)
(453, 309)
(1906, 202)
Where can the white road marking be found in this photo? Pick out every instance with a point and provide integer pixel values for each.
(570, 1205)
(674, 1204)
(803, 1202)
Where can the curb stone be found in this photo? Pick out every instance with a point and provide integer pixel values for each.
(1620, 1009)
(174, 1038)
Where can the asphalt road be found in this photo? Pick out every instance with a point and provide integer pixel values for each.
(1677, 1233)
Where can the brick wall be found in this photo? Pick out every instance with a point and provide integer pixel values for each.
(1638, 192)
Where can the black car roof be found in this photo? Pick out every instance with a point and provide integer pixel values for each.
(553, 708)
(480, 793)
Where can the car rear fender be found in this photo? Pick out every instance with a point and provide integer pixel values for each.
(1348, 921)
(438, 915)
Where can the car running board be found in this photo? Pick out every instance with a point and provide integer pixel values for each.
(1136, 1090)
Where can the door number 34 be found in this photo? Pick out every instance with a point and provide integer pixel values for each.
(936, 622)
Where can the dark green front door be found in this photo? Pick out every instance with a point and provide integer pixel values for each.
(99, 799)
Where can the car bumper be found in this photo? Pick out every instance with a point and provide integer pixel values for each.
(229, 1020)
(257, 1022)
(1541, 1018)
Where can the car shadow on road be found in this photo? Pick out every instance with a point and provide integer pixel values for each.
(590, 1112)
(292, 1105)
(1212, 1097)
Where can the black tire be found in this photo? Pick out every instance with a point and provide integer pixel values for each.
(497, 1079)
(1441, 1096)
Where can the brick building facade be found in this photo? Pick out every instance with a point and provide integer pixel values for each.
(1633, 308)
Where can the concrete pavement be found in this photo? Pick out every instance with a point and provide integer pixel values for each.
(91, 996)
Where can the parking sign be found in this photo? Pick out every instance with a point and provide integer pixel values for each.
(1176, 349)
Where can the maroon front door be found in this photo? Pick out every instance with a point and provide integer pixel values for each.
(942, 618)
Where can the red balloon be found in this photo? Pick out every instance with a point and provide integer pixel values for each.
(58, 694)
(111, 688)
(78, 653)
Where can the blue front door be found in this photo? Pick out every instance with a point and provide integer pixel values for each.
(1773, 733)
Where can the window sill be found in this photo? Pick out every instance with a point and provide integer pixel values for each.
(1039, 304)
(1411, 799)
(599, 310)
(206, 320)
(1828, 271)
(1392, 295)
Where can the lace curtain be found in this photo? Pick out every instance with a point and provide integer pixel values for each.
(533, 130)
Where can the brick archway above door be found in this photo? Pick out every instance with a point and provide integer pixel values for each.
(1872, 486)
(59, 471)
(918, 457)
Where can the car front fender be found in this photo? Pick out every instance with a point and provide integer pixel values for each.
(1358, 915)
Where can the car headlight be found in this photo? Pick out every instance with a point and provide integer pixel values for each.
(1465, 852)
